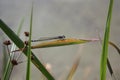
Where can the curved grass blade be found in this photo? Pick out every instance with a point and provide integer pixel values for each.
(28, 72)
(115, 46)
(108, 62)
(105, 44)
(19, 43)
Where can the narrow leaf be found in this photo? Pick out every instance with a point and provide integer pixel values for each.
(63, 42)
(5, 58)
(20, 27)
(105, 44)
(8, 67)
(19, 43)
(29, 48)
(73, 69)
(11, 34)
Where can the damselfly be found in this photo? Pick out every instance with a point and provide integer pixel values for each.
(43, 39)
(49, 38)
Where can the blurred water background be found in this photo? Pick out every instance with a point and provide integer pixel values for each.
(82, 19)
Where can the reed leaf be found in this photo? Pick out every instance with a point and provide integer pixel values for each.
(19, 43)
(28, 72)
(8, 67)
(105, 44)
(63, 42)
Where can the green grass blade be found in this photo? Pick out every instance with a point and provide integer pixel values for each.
(19, 43)
(11, 34)
(29, 48)
(20, 27)
(8, 67)
(8, 70)
(105, 44)
(5, 58)
(6, 64)
(108, 62)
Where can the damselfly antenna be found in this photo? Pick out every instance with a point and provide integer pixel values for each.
(49, 38)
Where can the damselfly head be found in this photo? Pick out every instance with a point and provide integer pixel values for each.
(61, 37)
